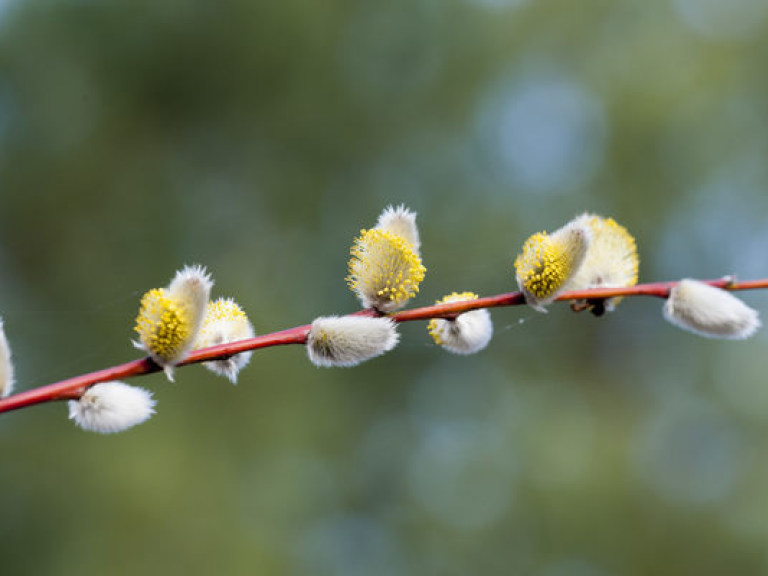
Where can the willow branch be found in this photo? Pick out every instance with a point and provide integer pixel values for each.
(74, 387)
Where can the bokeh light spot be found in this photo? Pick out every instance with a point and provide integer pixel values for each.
(543, 133)
(718, 19)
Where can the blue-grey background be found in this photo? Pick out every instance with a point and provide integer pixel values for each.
(257, 138)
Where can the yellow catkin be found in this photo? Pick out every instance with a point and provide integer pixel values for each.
(611, 261)
(224, 322)
(549, 261)
(163, 325)
(384, 270)
(543, 266)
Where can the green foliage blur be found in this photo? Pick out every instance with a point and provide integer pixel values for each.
(257, 138)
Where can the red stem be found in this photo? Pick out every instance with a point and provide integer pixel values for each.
(74, 387)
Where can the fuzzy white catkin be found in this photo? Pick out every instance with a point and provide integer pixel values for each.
(611, 260)
(192, 287)
(349, 340)
(469, 333)
(111, 407)
(709, 311)
(225, 322)
(401, 222)
(6, 365)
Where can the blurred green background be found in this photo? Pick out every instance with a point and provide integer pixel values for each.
(257, 138)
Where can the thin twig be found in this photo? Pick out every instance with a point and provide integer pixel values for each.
(74, 387)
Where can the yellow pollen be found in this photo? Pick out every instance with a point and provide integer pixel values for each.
(544, 265)
(224, 322)
(384, 268)
(222, 309)
(163, 325)
(622, 238)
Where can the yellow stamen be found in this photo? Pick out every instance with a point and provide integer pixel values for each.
(163, 325)
(384, 269)
(543, 266)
